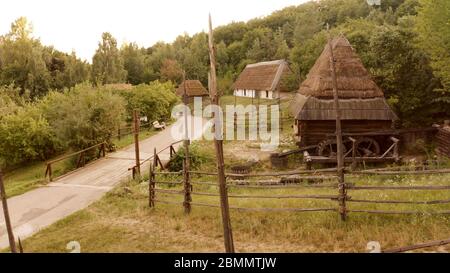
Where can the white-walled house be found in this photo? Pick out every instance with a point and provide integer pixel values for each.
(262, 80)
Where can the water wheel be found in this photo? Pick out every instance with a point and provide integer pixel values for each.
(367, 147)
(328, 148)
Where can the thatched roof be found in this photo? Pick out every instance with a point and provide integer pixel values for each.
(194, 88)
(264, 76)
(353, 80)
(311, 108)
(359, 96)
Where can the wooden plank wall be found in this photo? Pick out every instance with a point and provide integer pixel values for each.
(314, 132)
(443, 141)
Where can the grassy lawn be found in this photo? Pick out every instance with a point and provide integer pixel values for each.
(123, 222)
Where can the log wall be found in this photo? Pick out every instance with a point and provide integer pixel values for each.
(313, 132)
(443, 141)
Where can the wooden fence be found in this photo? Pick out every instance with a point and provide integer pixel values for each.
(129, 130)
(162, 185)
(189, 190)
(101, 147)
(155, 159)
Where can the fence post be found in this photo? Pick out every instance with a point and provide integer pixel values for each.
(186, 180)
(155, 159)
(340, 152)
(136, 141)
(151, 187)
(104, 149)
(228, 234)
(48, 172)
(12, 241)
(118, 133)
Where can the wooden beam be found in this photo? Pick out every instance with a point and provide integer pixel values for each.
(136, 141)
(340, 145)
(187, 160)
(218, 143)
(9, 229)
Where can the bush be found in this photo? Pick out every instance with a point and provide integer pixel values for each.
(154, 100)
(83, 117)
(197, 158)
(25, 135)
(10, 100)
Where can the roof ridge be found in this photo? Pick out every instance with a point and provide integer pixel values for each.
(278, 62)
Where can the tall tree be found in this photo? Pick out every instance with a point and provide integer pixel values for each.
(433, 25)
(134, 63)
(171, 71)
(21, 60)
(107, 64)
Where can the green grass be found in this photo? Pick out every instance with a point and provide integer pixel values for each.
(123, 222)
(31, 176)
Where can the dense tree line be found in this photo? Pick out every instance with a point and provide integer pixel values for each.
(74, 119)
(34, 68)
(404, 43)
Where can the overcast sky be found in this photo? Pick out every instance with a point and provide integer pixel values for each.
(78, 24)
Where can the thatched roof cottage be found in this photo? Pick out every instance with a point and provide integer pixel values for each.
(264, 80)
(194, 88)
(362, 103)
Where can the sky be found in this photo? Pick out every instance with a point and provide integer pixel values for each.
(78, 24)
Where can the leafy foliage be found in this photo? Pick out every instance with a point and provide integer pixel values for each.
(25, 135)
(433, 25)
(84, 116)
(107, 63)
(196, 156)
(154, 100)
(34, 68)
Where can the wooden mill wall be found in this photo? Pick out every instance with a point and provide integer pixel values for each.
(443, 141)
(313, 132)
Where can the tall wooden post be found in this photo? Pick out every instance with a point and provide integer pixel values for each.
(340, 152)
(187, 159)
(136, 141)
(225, 209)
(151, 186)
(12, 241)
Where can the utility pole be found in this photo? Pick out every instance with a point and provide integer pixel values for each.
(12, 241)
(136, 141)
(228, 235)
(340, 153)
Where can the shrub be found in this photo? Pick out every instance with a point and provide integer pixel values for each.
(154, 100)
(197, 158)
(25, 135)
(10, 100)
(83, 117)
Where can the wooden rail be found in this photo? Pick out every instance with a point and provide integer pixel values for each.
(81, 160)
(265, 182)
(277, 184)
(157, 160)
(418, 246)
